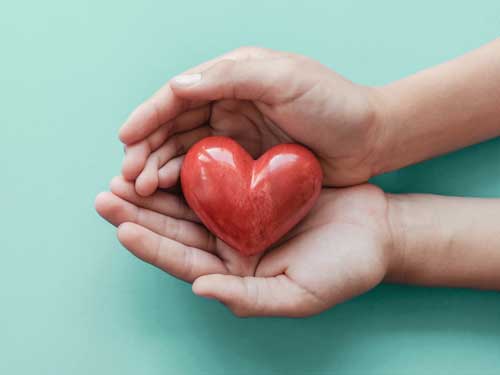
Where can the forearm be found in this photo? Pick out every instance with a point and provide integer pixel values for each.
(445, 241)
(441, 109)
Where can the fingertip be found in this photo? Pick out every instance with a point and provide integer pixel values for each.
(223, 288)
(185, 80)
(144, 190)
(111, 208)
(134, 160)
(120, 187)
(199, 287)
(146, 184)
(129, 172)
(101, 202)
(213, 286)
(166, 179)
(123, 135)
(203, 286)
(123, 188)
(138, 240)
(168, 175)
(115, 182)
(127, 133)
(127, 233)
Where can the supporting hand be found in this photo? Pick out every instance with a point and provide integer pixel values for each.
(342, 249)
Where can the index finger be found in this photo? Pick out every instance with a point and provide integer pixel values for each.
(164, 105)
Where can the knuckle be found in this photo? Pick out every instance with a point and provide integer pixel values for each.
(254, 295)
(211, 242)
(138, 217)
(179, 208)
(154, 257)
(187, 265)
(172, 228)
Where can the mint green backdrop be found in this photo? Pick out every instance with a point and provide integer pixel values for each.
(73, 301)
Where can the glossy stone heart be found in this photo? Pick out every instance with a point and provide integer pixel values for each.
(249, 204)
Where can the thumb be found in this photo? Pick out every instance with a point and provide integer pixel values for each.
(266, 80)
(257, 296)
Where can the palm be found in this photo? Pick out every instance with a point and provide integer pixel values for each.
(303, 271)
(339, 251)
(247, 124)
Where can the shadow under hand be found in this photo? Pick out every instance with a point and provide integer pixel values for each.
(380, 330)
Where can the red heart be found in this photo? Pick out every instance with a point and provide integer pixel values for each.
(249, 204)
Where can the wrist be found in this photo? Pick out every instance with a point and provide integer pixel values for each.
(445, 241)
(398, 243)
(379, 99)
(420, 237)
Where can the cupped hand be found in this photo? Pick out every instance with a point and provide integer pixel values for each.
(260, 98)
(341, 249)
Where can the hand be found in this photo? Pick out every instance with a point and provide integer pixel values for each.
(260, 98)
(341, 249)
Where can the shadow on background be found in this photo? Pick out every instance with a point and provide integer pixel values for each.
(74, 302)
(349, 337)
(406, 316)
(461, 173)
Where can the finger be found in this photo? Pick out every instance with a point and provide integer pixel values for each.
(168, 175)
(184, 262)
(147, 181)
(257, 296)
(163, 203)
(178, 144)
(164, 105)
(270, 81)
(134, 159)
(118, 211)
(137, 153)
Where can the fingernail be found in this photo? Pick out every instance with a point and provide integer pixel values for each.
(187, 79)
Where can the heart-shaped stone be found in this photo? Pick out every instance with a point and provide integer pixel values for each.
(249, 204)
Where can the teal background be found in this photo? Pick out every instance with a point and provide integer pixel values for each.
(72, 301)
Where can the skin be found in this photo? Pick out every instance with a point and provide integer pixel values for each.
(445, 241)
(293, 279)
(413, 239)
(248, 95)
(355, 237)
